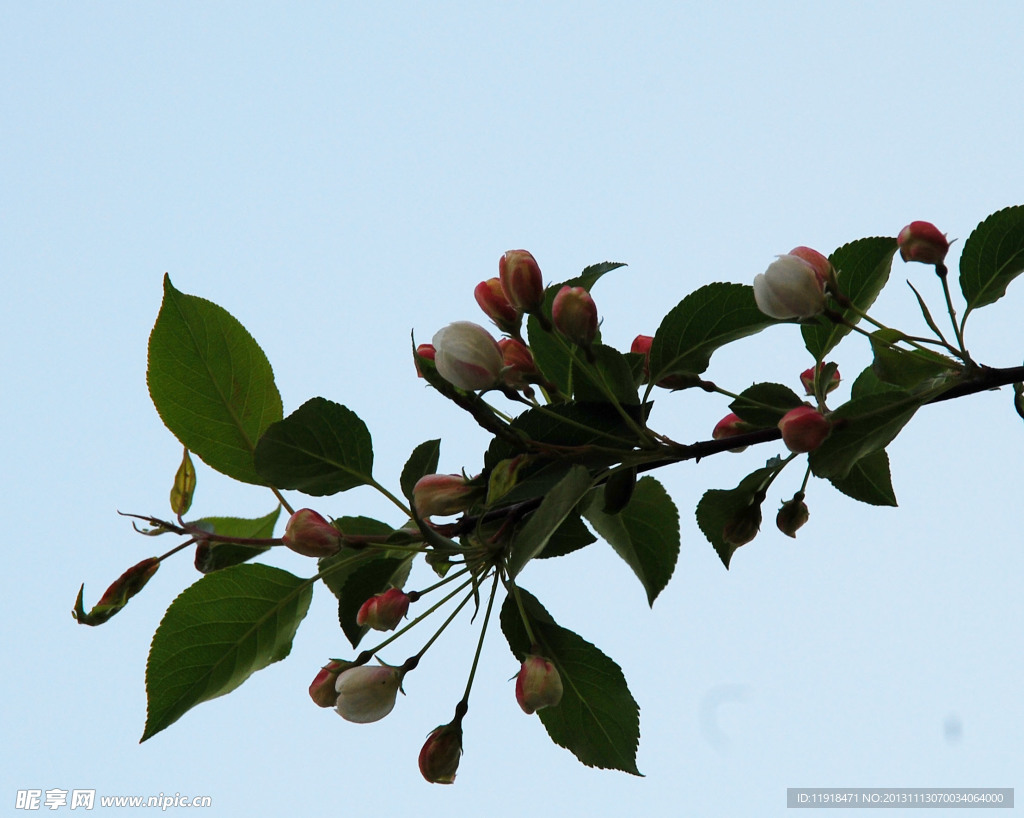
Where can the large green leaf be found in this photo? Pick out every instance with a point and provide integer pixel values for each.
(869, 480)
(320, 448)
(610, 376)
(862, 426)
(571, 535)
(992, 257)
(337, 569)
(645, 533)
(217, 633)
(597, 720)
(906, 367)
(531, 538)
(211, 383)
(708, 318)
(214, 556)
(862, 269)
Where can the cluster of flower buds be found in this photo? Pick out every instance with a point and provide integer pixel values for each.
(468, 356)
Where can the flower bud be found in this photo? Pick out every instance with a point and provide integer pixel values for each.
(495, 304)
(742, 528)
(322, 689)
(791, 287)
(467, 356)
(521, 280)
(424, 351)
(642, 346)
(439, 758)
(730, 426)
(117, 594)
(792, 515)
(574, 314)
(384, 611)
(807, 379)
(922, 241)
(538, 684)
(520, 367)
(804, 429)
(367, 694)
(442, 494)
(822, 266)
(309, 534)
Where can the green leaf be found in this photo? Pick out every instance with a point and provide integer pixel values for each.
(862, 426)
(320, 448)
(598, 719)
(708, 318)
(906, 367)
(549, 352)
(609, 371)
(531, 538)
(211, 383)
(764, 404)
(571, 535)
(213, 556)
(645, 533)
(740, 507)
(421, 462)
(868, 383)
(371, 577)
(869, 480)
(862, 270)
(342, 564)
(992, 257)
(217, 633)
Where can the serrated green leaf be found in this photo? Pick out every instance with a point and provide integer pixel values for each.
(708, 318)
(336, 569)
(530, 539)
(213, 556)
(421, 462)
(321, 448)
(905, 367)
(610, 373)
(571, 535)
(721, 508)
(992, 257)
(211, 383)
(868, 383)
(862, 426)
(869, 480)
(597, 720)
(764, 404)
(217, 633)
(371, 577)
(863, 269)
(645, 533)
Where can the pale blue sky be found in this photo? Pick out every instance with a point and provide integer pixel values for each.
(337, 174)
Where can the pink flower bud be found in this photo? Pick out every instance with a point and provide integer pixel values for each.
(807, 379)
(322, 689)
(791, 287)
(520, 367)
(495, 304)
(730, 426)
(822, 266)
(309, 534)
(384, 611)
(804, 429)
(574, 314)
(367, 694)
(443, 494)
(521, 280)
(439, 758)
(792, 515)
(424, 351)
(642, 346)
(538, 684)
(467, 356)
(922, 241)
